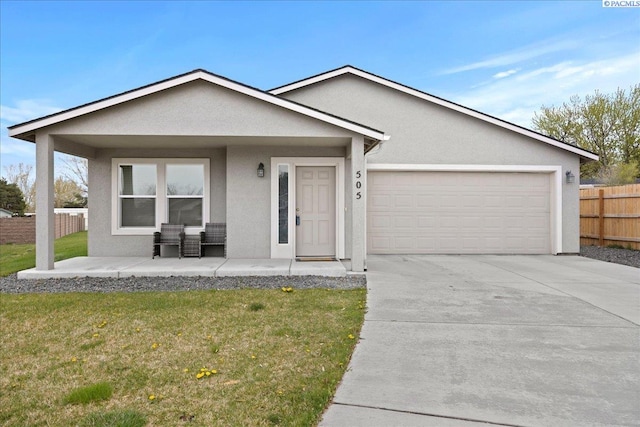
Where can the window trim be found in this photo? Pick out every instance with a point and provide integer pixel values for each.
(161, 197)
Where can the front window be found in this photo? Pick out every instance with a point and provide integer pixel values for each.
(137, 195)
(185, 188)
(154, 191)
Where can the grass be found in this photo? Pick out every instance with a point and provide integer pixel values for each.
(14, 258)
(114, 419)
(256, 306)
(278, 365)
(91, 393)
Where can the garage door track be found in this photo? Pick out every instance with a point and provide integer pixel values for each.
(503, 340)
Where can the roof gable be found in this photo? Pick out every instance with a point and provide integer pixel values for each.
(27, 130)
(348, 69)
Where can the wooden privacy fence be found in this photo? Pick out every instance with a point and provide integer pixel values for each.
(610, 216)
(23, 229)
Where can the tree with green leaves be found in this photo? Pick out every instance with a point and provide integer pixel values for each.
(11, 197)
(606, 124)
(23, 176)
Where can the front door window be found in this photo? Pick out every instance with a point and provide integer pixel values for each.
(283, 204)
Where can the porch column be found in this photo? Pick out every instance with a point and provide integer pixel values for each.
(45, 220)
(358, 210)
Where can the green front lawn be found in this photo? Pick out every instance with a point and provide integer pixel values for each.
(204, 358)
(14, 258)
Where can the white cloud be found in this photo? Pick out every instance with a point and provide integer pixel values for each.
(17, 148)
(504, 74)
(27, 109)
(516, 99)
(13, 151)
(516, 56)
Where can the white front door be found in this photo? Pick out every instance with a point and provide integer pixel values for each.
(315, 211)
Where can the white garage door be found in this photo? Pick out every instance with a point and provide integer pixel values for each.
(458, 213)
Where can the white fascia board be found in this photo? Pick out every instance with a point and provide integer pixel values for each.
(438, 101)
(255, 93)
(312, 80)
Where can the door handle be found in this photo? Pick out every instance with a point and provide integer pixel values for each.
(297, 219)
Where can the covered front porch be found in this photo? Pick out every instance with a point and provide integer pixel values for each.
(121, 267)
(198, 149)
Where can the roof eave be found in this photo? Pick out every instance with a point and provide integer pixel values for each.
(584, 154)
(26, 130)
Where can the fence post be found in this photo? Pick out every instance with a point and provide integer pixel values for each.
(601, 217)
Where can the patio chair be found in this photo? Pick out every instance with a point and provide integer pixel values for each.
(169, 235)
(214, 234)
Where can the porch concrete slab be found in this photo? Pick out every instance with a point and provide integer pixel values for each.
(254, 267)
(319, 268)
(83, 267)
(167, 267)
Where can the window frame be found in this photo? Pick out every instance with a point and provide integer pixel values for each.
(161, 197)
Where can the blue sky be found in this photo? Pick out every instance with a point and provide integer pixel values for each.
(504, 58)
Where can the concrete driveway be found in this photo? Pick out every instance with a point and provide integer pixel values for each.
(503, 340)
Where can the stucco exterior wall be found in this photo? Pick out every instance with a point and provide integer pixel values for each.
(196, 108)
(425, 133)
(197, 120)
(238, 197)
(249, 197)
(100, 241)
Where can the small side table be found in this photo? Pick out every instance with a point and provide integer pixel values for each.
(191, 246)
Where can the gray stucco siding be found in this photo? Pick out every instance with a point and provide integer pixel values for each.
(101, 242)
(426, 133)
(197, 108)
(422, 132)
(238, 196)
(249, 197)
(198, 120)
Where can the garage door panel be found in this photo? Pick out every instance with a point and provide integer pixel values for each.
(471, 223)
(538, 202)
(425, 201)
(403, 201)
(381, 200)
(452, 212)
(404, 223)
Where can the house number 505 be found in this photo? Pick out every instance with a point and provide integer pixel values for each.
(358, 185)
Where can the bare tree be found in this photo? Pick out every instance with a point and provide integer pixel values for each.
(22, 175)
(77, 170)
